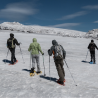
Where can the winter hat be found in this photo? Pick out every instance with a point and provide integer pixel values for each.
(11, 35)
(54, 42)
(92, 40)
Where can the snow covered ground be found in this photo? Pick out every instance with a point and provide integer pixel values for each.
(15, 81)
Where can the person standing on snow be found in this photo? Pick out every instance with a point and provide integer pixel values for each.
(34, 48)
(11, 44)
(91, 48)
(59, 54)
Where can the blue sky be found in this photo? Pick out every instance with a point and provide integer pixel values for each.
(79, 15)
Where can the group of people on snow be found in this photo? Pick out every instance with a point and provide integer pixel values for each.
(56, 49)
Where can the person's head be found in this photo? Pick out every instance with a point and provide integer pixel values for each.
(34, 40)
(92, 40)
(54, 42)
(11, 35)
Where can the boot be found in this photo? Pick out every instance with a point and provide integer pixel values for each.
(61, 83)
(59, 80)
(32, 70)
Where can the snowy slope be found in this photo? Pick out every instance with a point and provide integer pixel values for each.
(15, 26)
(15, 81)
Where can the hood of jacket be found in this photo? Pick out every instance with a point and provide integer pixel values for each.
(54, 42)
(34, 40)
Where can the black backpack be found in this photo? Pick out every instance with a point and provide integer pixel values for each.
(58, 52)
(92, 47)
(10, 43)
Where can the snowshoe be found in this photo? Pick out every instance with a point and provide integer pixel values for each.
(13, 63)
(91, 62)
(61, 83)
(59, 80)
(38, 72)
(32, 73)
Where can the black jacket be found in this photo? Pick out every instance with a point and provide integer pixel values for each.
(92, 46)
(50, 51)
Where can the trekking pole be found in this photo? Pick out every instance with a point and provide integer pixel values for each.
(7, 55)
(44, 66)
(86, 55)
(49, 68)
(21, 54)
(70, 73)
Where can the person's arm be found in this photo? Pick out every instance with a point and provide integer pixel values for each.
(7, 43)
(50, 51)
(96, 47)
(39, 48)
(29, 49)
(16, 42)
(89, 46)
(64, 52)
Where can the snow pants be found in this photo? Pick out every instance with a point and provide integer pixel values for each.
(13, 58)
(92, 56)
(59, 66)
(35, 57)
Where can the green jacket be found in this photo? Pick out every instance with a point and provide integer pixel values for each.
(35, 47)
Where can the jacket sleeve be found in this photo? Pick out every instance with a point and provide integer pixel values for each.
(29, 49)
(39, 48)
(64, 52)
(16, 42)
(96, 47)
(50, 51)
(7, 43)
(89, 46)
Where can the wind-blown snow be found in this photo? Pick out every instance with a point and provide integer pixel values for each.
(15, 26)
(15, 81)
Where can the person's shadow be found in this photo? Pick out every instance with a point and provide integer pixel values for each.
(49, 78)
(85, 61)
(26, 70)
(42, 76)
(6, 61)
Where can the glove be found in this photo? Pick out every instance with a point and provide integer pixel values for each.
(42, 53)
(48, 50)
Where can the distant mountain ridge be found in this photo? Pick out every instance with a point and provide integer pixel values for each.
(16, 26)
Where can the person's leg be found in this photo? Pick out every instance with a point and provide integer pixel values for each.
(62, 64)
(38, 62)
(59, 70)
(33, 63)
(12, 55)
(91, 56)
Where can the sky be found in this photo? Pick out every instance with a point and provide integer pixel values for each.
(81, 15)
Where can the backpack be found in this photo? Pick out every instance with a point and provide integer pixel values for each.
(10, 43)
(58, 52)
(92, 47)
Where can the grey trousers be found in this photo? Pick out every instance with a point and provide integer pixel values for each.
(59, 66)
(35, 57)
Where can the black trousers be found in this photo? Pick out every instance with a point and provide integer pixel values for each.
(13, 59)
(92, 53)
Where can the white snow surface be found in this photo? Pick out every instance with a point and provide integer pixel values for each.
(16, 26)
(15, 81)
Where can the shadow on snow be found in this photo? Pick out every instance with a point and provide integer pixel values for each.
(85, 61)
(48, 78)
(26, 70)
(6, 61)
